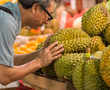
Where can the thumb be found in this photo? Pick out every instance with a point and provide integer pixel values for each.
(46, 43)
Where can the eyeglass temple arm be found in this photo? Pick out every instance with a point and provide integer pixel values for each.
(46, 11)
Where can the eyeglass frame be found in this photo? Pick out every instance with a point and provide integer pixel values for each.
(50, 16)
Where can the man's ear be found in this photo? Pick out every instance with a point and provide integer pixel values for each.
(35, 9)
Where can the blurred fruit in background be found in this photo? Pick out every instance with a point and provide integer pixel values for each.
(48, 31)
(24, 31)
(35, 32)
(27, 31)
(54, 25)
(5, 1)
(30, 46)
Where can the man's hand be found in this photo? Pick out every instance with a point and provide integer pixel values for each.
(48, 55)
(46, 43)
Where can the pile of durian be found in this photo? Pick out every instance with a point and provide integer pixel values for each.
(86, 57)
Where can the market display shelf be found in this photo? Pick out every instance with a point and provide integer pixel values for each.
(40, 82)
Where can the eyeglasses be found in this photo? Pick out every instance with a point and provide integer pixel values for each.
(50, 16)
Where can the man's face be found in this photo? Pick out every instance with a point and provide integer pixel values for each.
(38, 16)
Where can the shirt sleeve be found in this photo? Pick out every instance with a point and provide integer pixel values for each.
(7, 38)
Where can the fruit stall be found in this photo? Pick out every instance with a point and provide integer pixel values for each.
(85, 63)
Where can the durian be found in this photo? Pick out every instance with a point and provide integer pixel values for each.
(73, 40)
(95, 20)
(77, 76)
(105, 65)
(96, 44)
(63, 66)
(86, 75)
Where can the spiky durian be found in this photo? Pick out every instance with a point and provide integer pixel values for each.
(63, 66)
(86, 75)
(73, 40)
(96, 44)
(105, 65)
(95, 20)
(77, 76)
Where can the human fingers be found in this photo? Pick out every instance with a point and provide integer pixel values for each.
(55, 49)
(52, 45)
(56, 57)
(58, 52)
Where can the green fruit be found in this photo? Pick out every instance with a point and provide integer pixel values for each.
(91, 76)
(86, 75)
(96, 44)
(63, 66)
(77, 76)
(73, 40)
(105, 65)
(95, 20)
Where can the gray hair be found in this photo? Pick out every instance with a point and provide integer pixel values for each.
(28, 3)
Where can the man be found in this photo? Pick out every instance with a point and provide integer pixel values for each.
(32, 13)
